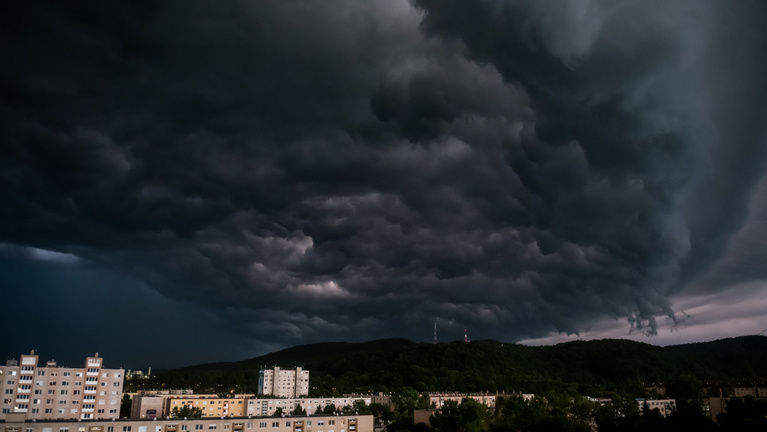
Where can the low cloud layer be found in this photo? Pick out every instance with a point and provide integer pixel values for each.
(350, 170)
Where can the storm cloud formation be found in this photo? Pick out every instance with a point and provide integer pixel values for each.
(345, 170)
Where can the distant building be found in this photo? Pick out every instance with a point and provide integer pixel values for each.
(54, 392)
(438, 399)
(266, 407)
(285, 383)
(161, 406)
(757, 392)
(665, 406)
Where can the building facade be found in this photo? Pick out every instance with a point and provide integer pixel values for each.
(286, 383)
(757, 392)
(340, 423)
(55, 392)
(665, 406)
(267, 407)
(437, 400)
(161, 406)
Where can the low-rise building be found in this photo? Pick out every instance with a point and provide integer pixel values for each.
(339, 423)
(665, 406)
(266, 407)
(438, 399)
(755, 391)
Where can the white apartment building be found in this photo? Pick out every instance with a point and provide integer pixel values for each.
(665, 406)
(54, 392)
(284, 383)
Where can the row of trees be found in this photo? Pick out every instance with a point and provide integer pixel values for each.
(557, 413)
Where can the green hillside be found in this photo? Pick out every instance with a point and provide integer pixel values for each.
(597, 367)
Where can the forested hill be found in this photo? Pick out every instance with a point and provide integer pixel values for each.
(587, 367)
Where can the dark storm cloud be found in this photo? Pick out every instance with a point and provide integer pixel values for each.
(358, 169)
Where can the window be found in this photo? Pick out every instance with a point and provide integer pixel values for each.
(183, 427)
(275, 424)
(100, 411)
(48, 410)
(65, 383)
(110, 429)
(126, 428)
(331, 422)
(198, 427)
(320, 422)
(63, 429)
(50, 392)
(76, 392)
(8, 391)
(40, 373)
(64, 392)
(63, 374)
(262, 425)
(212, 427)
(48, 401)
(28, 430)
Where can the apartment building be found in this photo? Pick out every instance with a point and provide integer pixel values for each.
(55, 392)
(665, 406)
(340, 423)
(438, 399)
(161, 406)
(286, 383)
(757, 392)
(267, 407)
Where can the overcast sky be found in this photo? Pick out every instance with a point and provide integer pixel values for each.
(192, 181)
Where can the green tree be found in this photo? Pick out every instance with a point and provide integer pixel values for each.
(125, 406)
(408, 400)
(186, 411)
(381, 411)
(744, 415)
(278, 412)
(469, 416)
(329, 409)
(298, 411)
